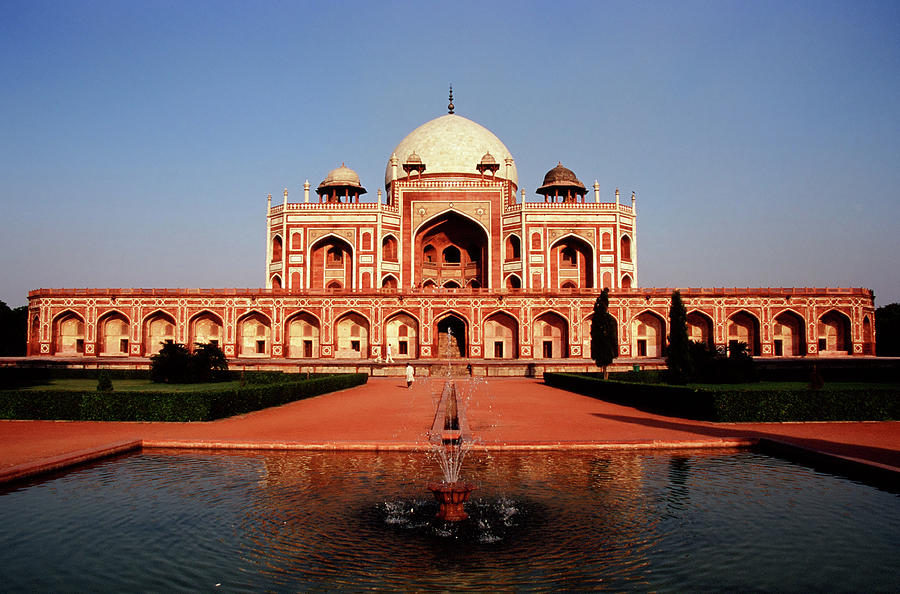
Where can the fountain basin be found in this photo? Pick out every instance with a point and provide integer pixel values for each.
(452, 498)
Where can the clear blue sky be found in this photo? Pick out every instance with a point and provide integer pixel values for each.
(138, 140)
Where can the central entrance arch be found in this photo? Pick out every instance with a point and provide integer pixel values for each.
(451, 334)
(451, 248)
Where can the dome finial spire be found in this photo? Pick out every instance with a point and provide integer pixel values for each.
(450, 107)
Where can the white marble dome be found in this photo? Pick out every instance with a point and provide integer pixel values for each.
(451, 144)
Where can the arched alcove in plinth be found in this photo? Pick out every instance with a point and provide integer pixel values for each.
(501, 336)
(550, 336)
(788, 335)
(452, 336)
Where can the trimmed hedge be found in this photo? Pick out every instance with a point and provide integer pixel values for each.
(169, 407)
(875, 403)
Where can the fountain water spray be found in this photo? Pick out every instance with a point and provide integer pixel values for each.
(449, 446)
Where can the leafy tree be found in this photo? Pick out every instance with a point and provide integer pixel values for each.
(887, 330)
(678, 360)
(13, 330)
(174, 364)
(171, 364)
(208, 363)
(604, 334)
(104, 382)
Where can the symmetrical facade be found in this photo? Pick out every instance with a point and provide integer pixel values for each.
(450, 261)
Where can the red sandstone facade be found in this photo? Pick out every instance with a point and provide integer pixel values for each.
(446, 263)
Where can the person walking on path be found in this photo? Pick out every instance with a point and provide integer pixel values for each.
(390, 356)
(410, 375)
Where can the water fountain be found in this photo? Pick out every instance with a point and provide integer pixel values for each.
(449, 445)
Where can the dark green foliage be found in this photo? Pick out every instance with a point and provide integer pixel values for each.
(678, 358)
(604, 333)
(736, 405)
(208, 363)
(887, 330)
(206, 405)
(711, 368)
(13, 330)
(171, 364)
(104, 383)
(174, 364)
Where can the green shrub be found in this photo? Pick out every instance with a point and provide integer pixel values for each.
(104, 383)
(725, 404)
(204, 405)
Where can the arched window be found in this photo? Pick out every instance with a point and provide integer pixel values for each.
(276, 282)
(389, 249)
(429, 254)
(451, 255)
(513, 248)
(625, 251)
(607, 242)
(276, 249)
(607, 281)
(296, 241)
(535, 241)
(626, 282)
(367, 241)
(513, 282)
(389, 282)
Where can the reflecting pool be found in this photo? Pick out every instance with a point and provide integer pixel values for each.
(671, 521)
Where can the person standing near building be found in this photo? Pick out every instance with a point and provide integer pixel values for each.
(390, 356)
(410, 375)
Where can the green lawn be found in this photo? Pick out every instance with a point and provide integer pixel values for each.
(126, 385)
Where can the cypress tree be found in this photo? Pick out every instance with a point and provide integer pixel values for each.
(678, 359)
(604, 334)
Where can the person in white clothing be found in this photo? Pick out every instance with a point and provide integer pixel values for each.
(410, 376)
(390, 356)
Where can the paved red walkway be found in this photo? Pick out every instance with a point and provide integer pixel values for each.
(515, 412)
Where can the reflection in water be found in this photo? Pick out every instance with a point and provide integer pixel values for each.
(299, 521)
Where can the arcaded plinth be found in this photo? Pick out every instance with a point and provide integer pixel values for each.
(452, 497)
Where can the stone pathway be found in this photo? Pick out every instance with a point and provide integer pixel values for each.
(514, 413)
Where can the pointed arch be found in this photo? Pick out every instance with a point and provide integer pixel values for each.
(389, 252)
(158, 329)
(68, 333)
(303, 331)
(788, 334)
(113, 333)
(625, 248)
(452, 331)
(513, 247)
(700, 328)
(451, 245)
(351, 336)
(205, 327)
(513, 281)
(648, 334)
(390, 282)
(501, 336)
(572, 262)
(401, 332)
(834, 333)
(331, 259)
(254, 330)
(277, 248)
(868, 333)
(743, 326)
(550, 336)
